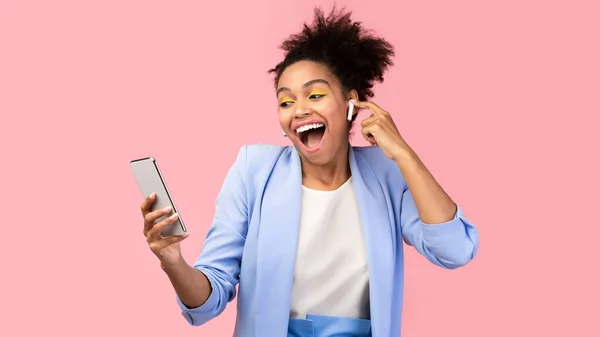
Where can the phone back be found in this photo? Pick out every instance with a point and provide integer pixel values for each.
(150, 179)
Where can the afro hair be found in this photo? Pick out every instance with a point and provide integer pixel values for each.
(354, 55)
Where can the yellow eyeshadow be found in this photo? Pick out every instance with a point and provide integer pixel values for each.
(285, 100)
(317, 92)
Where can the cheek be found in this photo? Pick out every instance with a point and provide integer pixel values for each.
(284, 118)
(337, 121)
(335, 115)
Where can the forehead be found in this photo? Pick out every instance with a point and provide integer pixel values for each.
(295, 75)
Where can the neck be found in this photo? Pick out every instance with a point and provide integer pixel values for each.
(329, 176)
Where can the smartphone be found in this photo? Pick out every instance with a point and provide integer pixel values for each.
(150, 180)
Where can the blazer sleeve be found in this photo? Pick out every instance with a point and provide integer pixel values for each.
(450, 245)
(221, 254)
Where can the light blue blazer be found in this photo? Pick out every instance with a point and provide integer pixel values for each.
(253, 238)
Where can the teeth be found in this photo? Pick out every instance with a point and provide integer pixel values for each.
(308, 127)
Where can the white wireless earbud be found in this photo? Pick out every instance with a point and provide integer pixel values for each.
(284, 133)
(350, 110)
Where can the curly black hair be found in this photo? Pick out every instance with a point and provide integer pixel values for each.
(354, 55)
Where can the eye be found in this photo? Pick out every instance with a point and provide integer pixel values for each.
(285, 104)
(316, 94)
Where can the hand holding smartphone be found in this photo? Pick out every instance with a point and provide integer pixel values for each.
(150, 180)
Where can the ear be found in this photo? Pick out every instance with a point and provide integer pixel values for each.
(352, 94)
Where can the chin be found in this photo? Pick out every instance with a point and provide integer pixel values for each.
(319, 156)
(316, 158)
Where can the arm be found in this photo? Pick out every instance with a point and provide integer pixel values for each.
(190, 284)
(204, 290)
(432, 202)
(431, 221)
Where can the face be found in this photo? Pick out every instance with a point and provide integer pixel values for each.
(313, 111)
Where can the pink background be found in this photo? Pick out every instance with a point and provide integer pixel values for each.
(500, 99)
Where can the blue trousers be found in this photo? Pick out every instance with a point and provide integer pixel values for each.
(328, 326)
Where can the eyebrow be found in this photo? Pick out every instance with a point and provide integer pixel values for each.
(307, 84)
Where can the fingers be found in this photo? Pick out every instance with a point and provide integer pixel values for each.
(145, 207)
(154, 232)
(368, 135)
(371, 106)
(370, 126)
(368, 120)
(377, 123)
(150, 218)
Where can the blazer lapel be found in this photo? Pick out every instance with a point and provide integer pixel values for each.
(379, 234)
(277, 243)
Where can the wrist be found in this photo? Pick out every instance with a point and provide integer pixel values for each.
(170, 265)
(405, 156)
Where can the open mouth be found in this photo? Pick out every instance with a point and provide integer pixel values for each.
(311, 135)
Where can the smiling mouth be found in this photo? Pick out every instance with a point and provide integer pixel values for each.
(311, 134)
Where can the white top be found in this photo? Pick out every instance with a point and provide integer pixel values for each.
(331, 276)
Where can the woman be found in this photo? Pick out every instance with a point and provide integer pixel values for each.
(313, 232)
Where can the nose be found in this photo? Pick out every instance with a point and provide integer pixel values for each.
(302, 112)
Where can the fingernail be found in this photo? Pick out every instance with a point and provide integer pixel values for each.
(152, 195)
(166, 209)
(173, 217)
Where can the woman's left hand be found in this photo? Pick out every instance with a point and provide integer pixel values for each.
(380, 130)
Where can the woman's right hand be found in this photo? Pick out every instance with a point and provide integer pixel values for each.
(167, 249)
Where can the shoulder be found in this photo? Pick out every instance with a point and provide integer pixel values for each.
(373, 156)
(373, 159)
(263, 151)
(255, 158)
